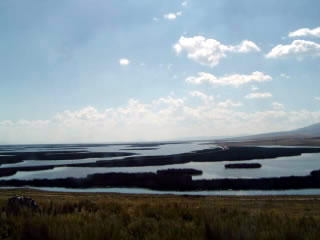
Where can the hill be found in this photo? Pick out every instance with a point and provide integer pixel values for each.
(309, 135)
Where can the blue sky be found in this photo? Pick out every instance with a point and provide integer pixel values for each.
(100, 71)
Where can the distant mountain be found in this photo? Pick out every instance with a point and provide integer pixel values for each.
(203, 138)
(312, 131)
(305, 132)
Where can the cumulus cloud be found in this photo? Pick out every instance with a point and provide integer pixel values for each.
(170, 100)
(124, 62)
(259, 95)
(277, 106)
(298, 48)
(184, 4)
(305, 32)
(155, 19)
(209, 100)
(210, 51)
(234, 80)
(246, 47)
(317, 98)
(172, 16)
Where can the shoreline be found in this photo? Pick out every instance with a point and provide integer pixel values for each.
(43, 193)
(177, 182)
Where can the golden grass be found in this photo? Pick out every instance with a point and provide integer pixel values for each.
(123, 216)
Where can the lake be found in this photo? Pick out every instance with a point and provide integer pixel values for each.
(282, 166)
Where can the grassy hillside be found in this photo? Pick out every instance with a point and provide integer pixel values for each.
(115, 216)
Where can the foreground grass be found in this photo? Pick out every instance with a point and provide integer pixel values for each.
(116, 216)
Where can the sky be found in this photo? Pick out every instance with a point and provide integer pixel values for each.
(117, 71)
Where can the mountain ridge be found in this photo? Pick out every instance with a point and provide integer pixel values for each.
(311, 131)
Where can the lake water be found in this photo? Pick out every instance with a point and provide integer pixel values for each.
(202, 193)
(282, 166)
(163, 149)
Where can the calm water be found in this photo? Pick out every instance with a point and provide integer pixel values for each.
(282, 166)
(209, 193)
(165, 149)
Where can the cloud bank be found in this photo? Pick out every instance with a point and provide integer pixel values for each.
(164, 118)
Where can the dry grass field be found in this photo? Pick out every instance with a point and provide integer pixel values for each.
(123, 216)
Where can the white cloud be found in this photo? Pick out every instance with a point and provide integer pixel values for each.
(229, 80)
(258, 95)
(184, 4)
(170, 100)
(277, 106)
(246, 47)
(205, 98)
(209, 101)
(283, 75)
(124, 62)
(155, 19)
(317, 98)
(305, 32)
(164, 118)
(210, 51)
(254, 88)
(172, 16)
(229, 103)
(298, 48)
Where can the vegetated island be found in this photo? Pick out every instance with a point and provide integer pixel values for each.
(172, 182)
(16, 157)
(182, 171)
(208, 155)
(242, 165)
